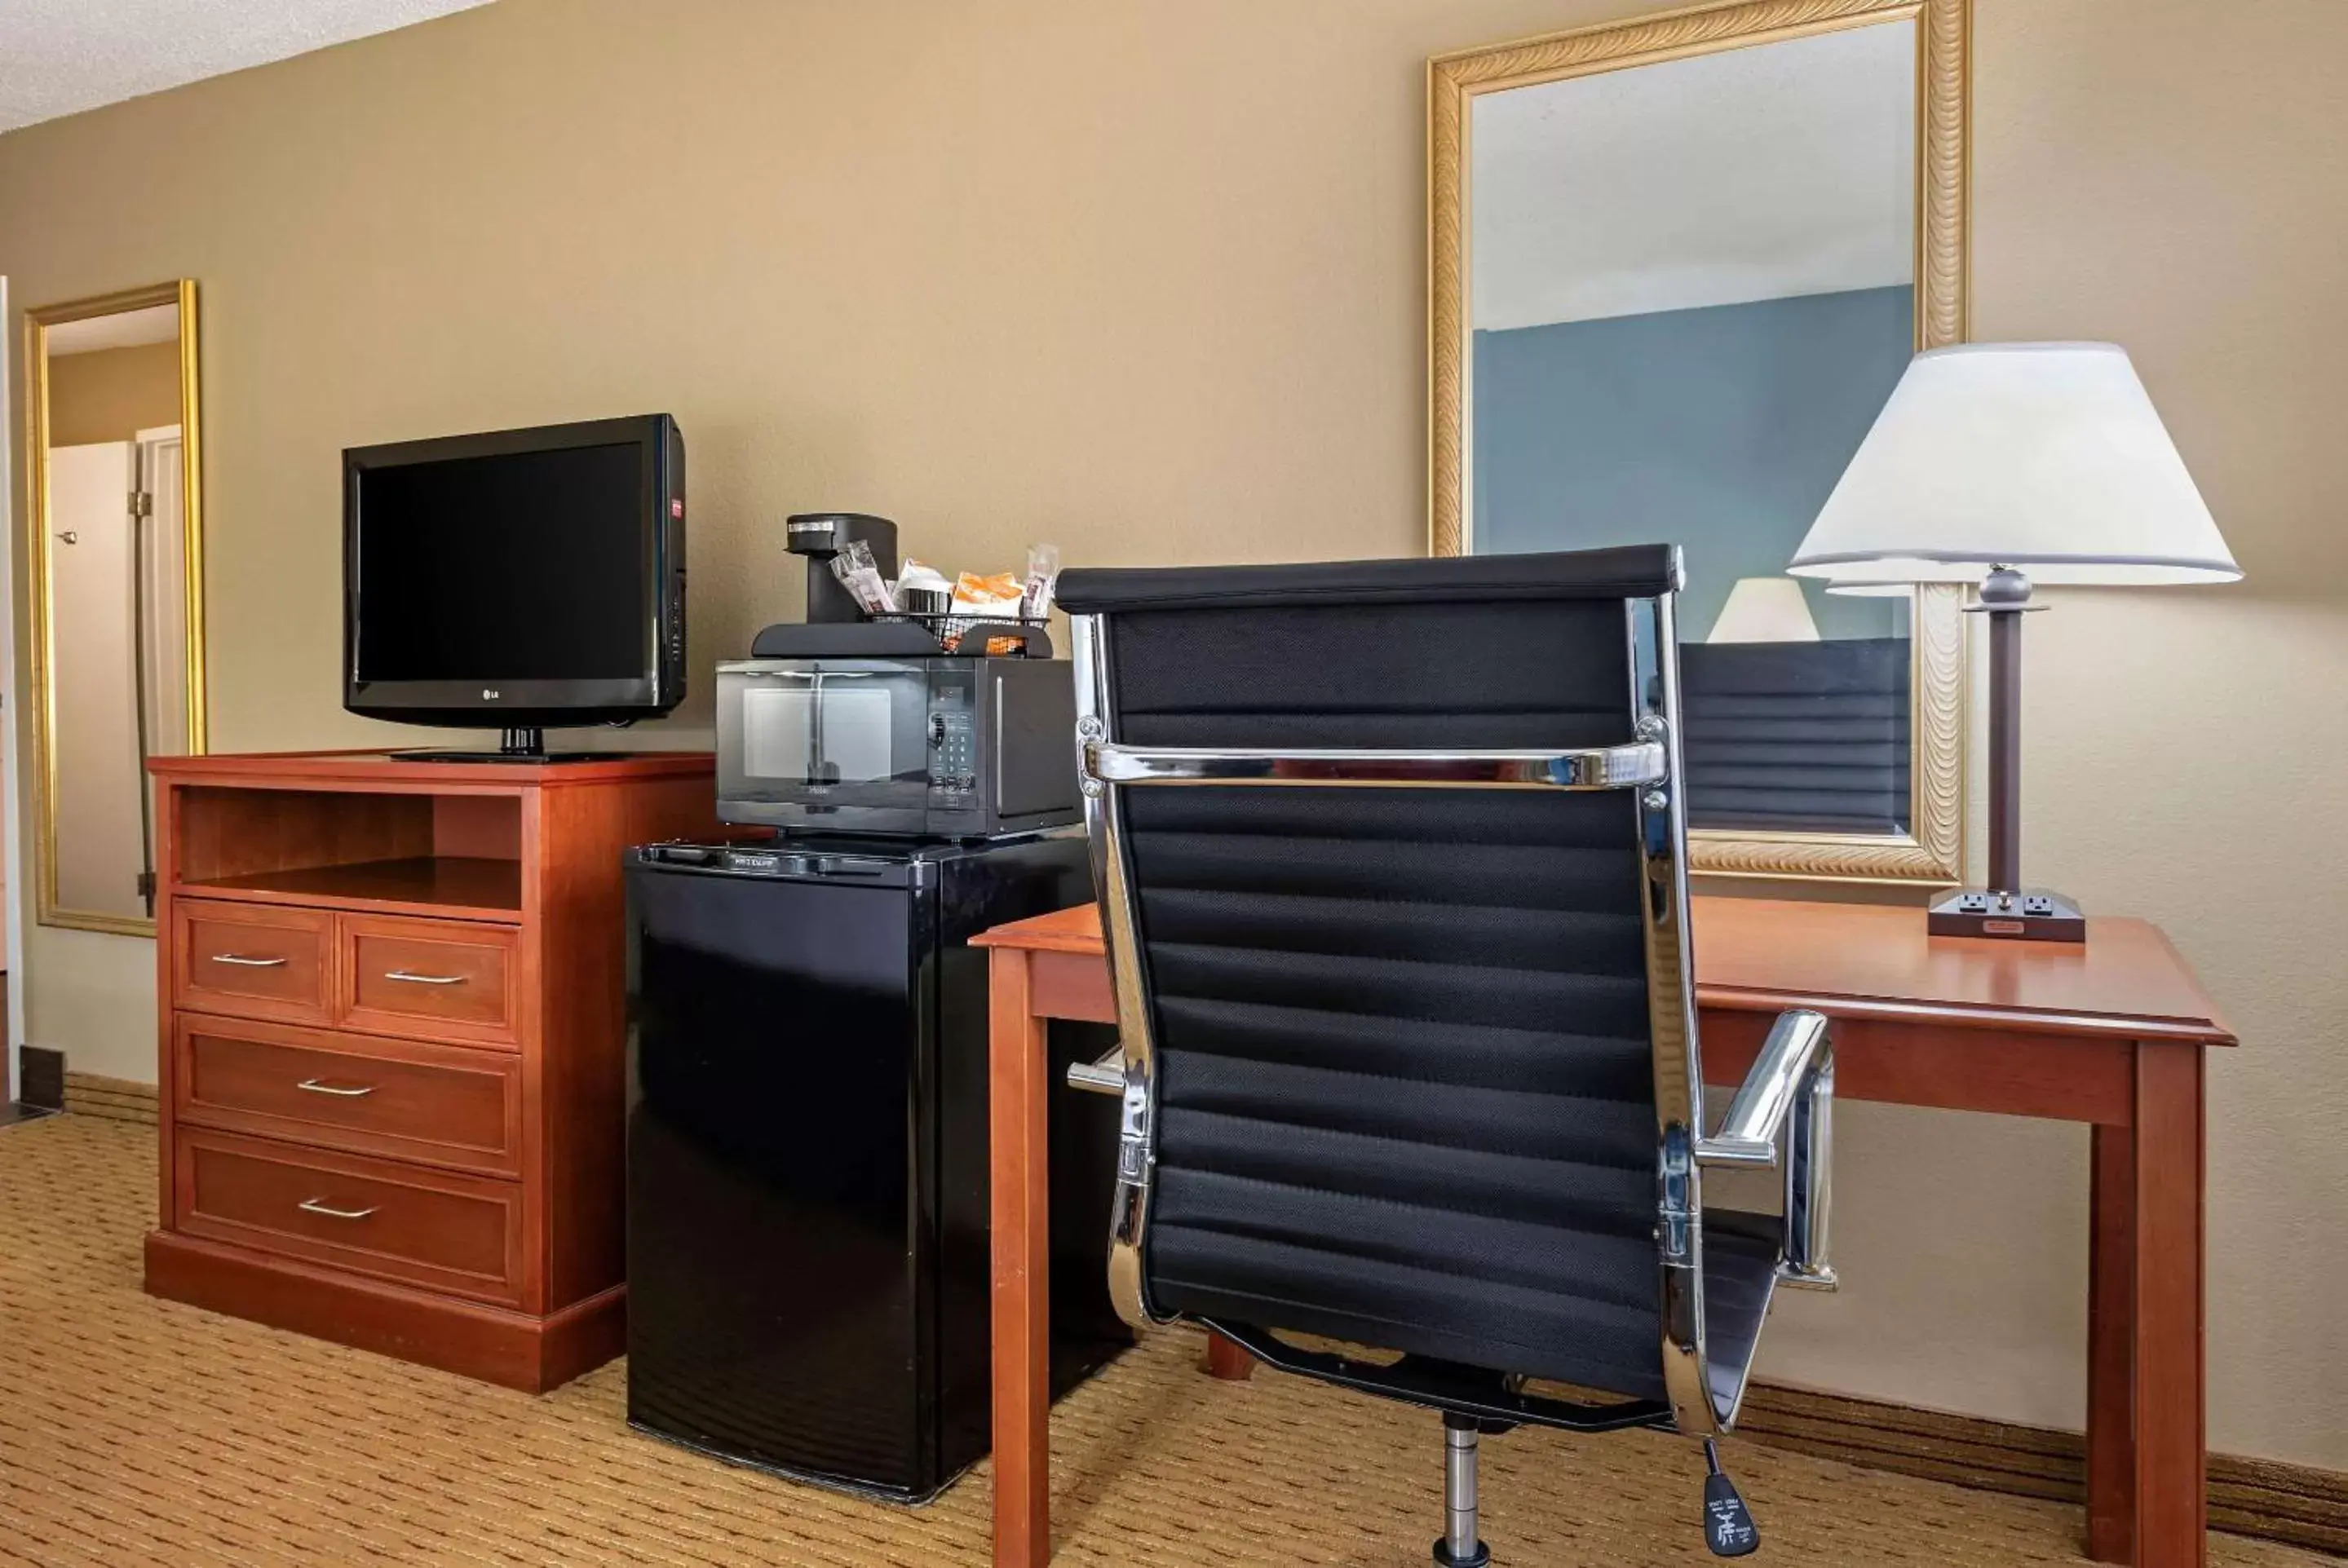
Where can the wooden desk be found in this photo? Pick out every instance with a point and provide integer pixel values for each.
(2112, 1034)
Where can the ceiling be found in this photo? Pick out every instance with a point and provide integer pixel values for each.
(61, 57)
(1752, 174)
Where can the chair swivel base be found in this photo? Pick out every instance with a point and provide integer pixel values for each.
(1461, 1433)
(2031, 914)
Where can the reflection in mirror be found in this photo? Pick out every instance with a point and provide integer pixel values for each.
(1692, 287)
(117, 655)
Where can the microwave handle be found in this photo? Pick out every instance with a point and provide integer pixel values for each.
(809, 674)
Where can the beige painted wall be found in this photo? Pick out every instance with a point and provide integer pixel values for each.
(1145, 278)
(112, 394)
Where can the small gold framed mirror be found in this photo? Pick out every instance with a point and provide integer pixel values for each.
(113, 535)
(1675, 266)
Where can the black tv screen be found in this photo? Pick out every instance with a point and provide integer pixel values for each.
(524, 578)
(525, 567)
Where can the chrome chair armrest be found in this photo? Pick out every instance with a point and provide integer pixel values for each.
(1789, 1094)
(1105, 1076)
(1748, 1135)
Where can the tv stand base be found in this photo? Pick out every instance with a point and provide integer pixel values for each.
(522, 745)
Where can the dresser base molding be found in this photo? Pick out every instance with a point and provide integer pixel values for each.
(514, 1350)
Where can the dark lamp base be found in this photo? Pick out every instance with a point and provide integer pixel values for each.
(2031, 915)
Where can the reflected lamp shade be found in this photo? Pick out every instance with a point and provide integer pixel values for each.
(1764, 609)
(2048, 458)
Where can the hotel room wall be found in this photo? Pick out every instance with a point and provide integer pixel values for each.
(1147, 279)
(1587, 434)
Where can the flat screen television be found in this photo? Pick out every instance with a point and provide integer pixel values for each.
(518, 579)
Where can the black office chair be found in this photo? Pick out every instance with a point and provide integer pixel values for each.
(1392, 862)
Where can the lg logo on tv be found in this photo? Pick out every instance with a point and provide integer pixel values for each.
(488, 695)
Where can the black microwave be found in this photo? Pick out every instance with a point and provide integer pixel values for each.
(933, 748)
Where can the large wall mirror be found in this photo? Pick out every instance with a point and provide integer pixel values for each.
(113, 535)
(1676, 267)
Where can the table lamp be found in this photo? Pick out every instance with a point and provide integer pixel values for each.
(1764, 609)
(1994, 463)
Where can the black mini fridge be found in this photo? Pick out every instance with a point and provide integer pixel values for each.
(807, 1258)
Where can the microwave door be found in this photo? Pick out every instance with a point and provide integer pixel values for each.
(821, 728)
(812, 744)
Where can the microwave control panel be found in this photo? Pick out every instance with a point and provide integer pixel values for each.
(953, 742)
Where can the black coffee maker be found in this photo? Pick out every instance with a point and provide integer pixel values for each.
(835, 627)
(820, 535)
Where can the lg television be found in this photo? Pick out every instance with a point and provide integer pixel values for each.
(517, 581)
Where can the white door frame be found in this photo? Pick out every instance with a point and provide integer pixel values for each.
(11, 838)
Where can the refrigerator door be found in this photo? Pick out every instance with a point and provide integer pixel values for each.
(775, 1313)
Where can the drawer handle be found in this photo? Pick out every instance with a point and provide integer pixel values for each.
(403, 976)
(241, 961)
(316, 1087)
(320, 1206)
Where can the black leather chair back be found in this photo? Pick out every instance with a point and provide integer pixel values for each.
(1402, 1049)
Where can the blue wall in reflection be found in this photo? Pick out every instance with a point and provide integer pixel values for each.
(1722, 429)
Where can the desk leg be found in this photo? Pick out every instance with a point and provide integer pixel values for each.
(2111, 1345)
(2172, 1488)
(1226, 1360)
(1019, 1193)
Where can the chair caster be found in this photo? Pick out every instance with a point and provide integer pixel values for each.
(1728, 1527)
(1481, 1559)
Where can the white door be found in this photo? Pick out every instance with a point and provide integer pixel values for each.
(101, 840)
(162, 580)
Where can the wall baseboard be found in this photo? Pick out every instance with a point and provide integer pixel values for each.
(2297, 1505)
(41, 1076)
(115, 1098)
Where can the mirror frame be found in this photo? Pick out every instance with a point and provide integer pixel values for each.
(181, 293)
(1932, 851)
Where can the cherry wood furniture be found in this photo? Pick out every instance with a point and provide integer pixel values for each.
(394, 1046)
(2114, 1034)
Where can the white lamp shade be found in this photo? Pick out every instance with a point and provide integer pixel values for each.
(1764, 609)
(2045, 457)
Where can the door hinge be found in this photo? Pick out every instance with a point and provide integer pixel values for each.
(147, 884)
(142, 503)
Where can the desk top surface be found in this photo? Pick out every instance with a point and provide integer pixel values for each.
(1872, 961)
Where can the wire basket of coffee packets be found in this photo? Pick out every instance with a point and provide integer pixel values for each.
(1004, 607)
(1004, 635)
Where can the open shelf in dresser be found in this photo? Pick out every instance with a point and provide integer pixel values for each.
(446, 854)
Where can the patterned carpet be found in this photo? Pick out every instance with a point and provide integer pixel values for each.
(136, 1431)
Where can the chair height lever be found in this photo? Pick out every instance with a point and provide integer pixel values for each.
(1728, 1527)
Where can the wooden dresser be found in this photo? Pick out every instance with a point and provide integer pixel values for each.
(394, 1048)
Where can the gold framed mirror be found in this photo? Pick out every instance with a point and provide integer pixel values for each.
(114, 537)
(1675, 266)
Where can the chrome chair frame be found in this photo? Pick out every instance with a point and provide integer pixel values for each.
(1783, 1111)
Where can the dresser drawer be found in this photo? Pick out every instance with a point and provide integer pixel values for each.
(448, 1105)
(460, 1234)
(441, 979)
(252, 960)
